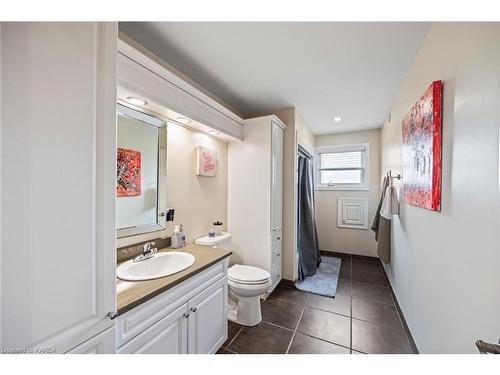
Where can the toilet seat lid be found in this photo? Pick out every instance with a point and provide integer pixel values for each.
(247, 274)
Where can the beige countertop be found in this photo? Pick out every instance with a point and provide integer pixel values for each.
(132, 293)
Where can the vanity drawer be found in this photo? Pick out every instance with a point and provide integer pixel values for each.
(276, 238)
(276, 254)
(135, 321)
(275, 276)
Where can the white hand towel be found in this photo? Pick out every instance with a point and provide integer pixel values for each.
(390, 205)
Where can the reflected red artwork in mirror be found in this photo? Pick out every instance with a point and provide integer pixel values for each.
(422, 139)
(128, 173)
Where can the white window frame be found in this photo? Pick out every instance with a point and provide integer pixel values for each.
(365, 183)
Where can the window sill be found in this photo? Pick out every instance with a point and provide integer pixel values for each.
(342, 188)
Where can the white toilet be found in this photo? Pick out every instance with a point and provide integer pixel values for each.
(246, 284)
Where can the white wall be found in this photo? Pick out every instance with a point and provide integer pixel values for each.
(445, 265)
(140, 209)
(305, 137)
(198, 200)
(346, 240)
(287, 115)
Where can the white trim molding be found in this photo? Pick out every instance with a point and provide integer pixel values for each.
(143, 73)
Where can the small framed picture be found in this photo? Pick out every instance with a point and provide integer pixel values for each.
(206, 162)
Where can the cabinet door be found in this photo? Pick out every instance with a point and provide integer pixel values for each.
(103, 343)
(277, 178)
(207, 328)
(58, 126)
(168, 336)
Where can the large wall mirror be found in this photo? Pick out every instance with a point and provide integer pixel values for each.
(141, 173)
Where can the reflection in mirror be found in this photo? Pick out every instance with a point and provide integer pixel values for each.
(141, 172)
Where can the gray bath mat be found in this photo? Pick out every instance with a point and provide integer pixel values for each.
(324, 282)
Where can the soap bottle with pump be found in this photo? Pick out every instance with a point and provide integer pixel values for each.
(176, 239)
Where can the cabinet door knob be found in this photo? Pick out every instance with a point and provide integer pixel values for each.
(278, 238)
(185, 315)
(112, 315)
(193, 309)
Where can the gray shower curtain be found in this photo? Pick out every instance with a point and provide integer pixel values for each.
(307, 236)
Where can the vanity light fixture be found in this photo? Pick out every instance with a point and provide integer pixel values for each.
(183, 120)
(136, 101)
(213, 132)
(337, 119)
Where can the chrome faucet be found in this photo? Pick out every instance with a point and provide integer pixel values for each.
(147, 252)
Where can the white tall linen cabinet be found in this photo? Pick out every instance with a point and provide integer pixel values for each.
(58, 181)
(255, 195)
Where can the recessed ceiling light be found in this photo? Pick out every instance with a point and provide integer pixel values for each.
(136, 101)
(337, 119)
(183, 120)
(213, 132)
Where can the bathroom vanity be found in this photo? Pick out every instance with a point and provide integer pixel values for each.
(181, 313)
(184, 313)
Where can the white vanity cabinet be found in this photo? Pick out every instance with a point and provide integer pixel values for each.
(207, 322)
(255, 195)
(189, 318)
(167, 336)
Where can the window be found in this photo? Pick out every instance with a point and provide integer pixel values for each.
(343, 167)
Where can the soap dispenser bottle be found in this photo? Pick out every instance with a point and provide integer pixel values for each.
(176, 240)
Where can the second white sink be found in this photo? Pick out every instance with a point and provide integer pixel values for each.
(160, 265)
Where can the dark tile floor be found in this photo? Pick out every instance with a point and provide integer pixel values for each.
(362, 318)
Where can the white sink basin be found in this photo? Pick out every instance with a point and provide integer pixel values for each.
(160, 265)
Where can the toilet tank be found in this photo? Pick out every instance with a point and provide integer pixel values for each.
(223, 241)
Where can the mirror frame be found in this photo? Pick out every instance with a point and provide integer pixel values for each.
(161, 193)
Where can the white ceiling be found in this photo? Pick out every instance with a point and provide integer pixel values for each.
(352, 70)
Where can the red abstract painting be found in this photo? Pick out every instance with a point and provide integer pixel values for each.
(128, 173)
(422, 137)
